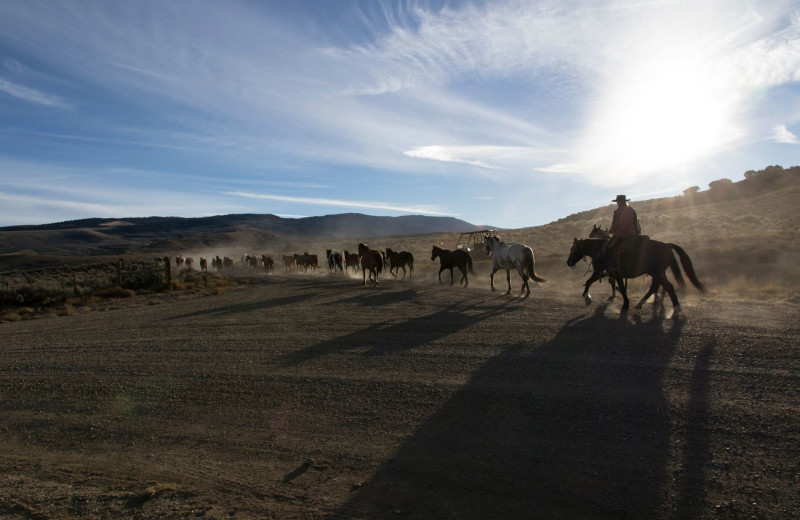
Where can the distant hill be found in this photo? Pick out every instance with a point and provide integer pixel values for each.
(115, 236)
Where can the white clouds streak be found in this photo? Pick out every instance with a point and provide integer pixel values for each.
(31, 95)
(342, 203)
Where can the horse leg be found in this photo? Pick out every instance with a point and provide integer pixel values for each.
(440, 274)
(404, 272)
(452, 279)
(525, 286)
(626, 303)
(508, 279)
(491, 277)
(676, 306)
(463, 276)
(654, 285)
(596, 275)
(613, 289)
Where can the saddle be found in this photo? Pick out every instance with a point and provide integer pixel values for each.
(627, 253)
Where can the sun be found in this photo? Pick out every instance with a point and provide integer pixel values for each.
(657, 117)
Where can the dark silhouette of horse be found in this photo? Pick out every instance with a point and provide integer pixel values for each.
(351, 260)
(372, 261)
(288, 262)
(269, 263)
(203, 264)
(642, 256)
(459, 258)
(306, 261)
(598, 232)
(398, 260)
(334, 260)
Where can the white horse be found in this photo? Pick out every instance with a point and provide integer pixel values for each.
(512, 256)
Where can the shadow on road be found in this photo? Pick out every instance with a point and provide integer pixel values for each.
(396, 336)
(574, 427)
(246, 307)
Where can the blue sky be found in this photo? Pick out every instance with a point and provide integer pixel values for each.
(506, 113)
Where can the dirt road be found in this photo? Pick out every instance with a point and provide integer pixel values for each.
(311, 397)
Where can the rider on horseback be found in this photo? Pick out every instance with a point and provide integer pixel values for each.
(624, 224)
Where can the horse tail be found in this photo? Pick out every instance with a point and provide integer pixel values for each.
(411, 263)
(676, 270)
(469, 264)
(381, 259)
(686, 262)
(529, 266)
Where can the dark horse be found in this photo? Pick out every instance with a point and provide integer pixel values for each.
(351, 260)
(400, 259)
(372, 261)
(334, 260)
(598, 232)
(642, 256)
(450, 259)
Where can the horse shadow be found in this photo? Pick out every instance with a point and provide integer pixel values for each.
(380, 298)
(573, 427)
(238, 308)
(398, 336)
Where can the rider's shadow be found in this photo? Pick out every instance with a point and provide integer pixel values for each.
(573, 427)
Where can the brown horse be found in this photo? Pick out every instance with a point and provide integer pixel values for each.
(598, 232)
(459, 258)
(398, 260)
(269, 263)
(351, 260)
(372, 261)
(642, 256)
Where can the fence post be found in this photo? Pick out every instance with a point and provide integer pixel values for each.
(169, 273)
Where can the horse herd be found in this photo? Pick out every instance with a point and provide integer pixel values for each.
(643, 257)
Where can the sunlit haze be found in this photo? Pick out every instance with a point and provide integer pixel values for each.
(505, 113)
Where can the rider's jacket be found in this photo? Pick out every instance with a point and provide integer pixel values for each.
(625, 223)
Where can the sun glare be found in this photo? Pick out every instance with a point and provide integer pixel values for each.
(657, 117)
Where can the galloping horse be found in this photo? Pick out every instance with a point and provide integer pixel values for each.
(334, 260)
(398, 260)
(269, 263)
(512, 256)
(450, 259)
(371, 260)
(644, 256)
(351, 260)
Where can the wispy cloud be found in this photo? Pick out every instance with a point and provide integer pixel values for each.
(342, 203)
(782, 134)
(31, 95)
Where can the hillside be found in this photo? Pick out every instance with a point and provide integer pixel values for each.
(741, 235)
(132, 236)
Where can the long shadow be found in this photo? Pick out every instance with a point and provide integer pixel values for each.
(372, 299)
(246, 307)
(698, 441)
(393, 336)
(575, 427)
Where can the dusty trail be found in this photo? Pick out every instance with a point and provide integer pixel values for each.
(316, 397)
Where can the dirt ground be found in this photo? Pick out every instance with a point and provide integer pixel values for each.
(316, 397)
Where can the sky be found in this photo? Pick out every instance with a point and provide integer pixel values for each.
(504, 113)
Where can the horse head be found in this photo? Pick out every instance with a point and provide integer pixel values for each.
(436, 251)
(598, 232)
(575, 253)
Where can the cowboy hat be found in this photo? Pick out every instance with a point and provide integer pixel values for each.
(621, 198)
